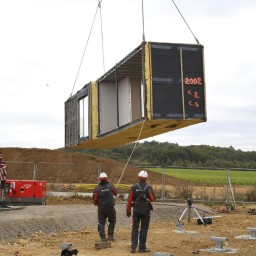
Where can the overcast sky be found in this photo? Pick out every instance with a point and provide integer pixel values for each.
(42, 42)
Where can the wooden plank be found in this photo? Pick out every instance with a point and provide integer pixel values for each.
(102, 245)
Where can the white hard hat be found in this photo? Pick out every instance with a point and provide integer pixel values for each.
(143, 175)
(103, 176)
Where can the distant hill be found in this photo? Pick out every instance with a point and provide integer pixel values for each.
(66, 165)
(59, 166)
(169, 154)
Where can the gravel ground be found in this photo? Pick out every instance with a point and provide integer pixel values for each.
(52, 219)
(40, 230)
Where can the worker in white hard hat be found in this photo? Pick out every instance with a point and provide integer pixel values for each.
(140, 196)
(103, 197)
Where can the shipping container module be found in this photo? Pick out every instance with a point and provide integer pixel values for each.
(157, 88)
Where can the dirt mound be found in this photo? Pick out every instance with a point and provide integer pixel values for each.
(59, 166)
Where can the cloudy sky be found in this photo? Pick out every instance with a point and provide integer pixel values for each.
(42, 42)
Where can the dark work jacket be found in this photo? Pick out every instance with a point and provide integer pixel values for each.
(135, 197)
(103, 194)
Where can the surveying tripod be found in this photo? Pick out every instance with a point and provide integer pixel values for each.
(189, 207)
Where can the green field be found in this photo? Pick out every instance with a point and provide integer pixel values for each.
(214, 177)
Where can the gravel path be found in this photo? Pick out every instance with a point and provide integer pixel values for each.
(51, 219)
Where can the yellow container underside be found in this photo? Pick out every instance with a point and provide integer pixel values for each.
(131, 133)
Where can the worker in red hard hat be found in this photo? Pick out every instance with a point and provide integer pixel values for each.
(103, 197)
(140, 196)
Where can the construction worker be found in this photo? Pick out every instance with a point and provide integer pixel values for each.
(140, 196)
(3, 176)
(103, 197)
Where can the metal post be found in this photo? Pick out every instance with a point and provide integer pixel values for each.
(99, 172)
(228, 192)
(231, 190)
(35, 170)
(163, 184)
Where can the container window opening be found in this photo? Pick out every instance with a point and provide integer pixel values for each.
(83, 117)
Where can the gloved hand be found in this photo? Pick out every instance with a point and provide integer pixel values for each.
(128, 214)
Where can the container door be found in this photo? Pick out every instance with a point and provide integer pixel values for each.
(107, 107)
(124, 101)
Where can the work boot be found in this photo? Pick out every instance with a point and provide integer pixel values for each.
(144, 250)
(111, 238)
(133, 250)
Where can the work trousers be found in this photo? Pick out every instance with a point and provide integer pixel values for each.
(141, 221)
(103, 215)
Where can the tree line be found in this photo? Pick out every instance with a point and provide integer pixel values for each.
(171, 154)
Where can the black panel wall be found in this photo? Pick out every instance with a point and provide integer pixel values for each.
(173, 64)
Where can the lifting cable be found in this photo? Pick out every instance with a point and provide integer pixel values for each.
(143, 38)
(98, 7)
(143, 33)
(131, 154)
(102, 45)
(185, 21)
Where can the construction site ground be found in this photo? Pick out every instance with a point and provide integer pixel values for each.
(40, 230)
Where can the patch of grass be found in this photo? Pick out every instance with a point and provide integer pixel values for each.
(214, 177)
